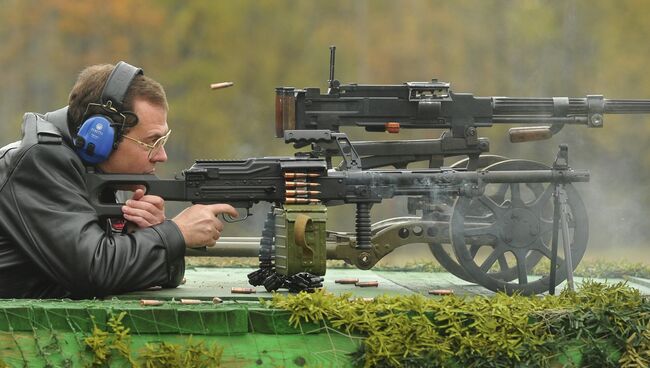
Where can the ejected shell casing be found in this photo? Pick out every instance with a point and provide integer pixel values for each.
(190, 301)
(292, 175)
(346, 281)
(221, 85)
(300, 184)
(441, 292)
(367, 283)
(241, 290)
(301, 200)
(294, 192)
(150, 302)
(216, 300)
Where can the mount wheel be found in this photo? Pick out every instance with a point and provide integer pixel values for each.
(443, 253)
(520, 225)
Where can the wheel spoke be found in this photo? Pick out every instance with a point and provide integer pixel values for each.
(538, 205)
(522, 271)
(500, 196)
(490, 204)
(542, 249)
(474, 249)
(503, 262)
(546, 252)
(545, 226)
(484, 230)
(488, 217)
(515, 193)
(537, 189)
(489, 261)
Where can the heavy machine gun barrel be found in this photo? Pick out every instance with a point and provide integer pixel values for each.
(587, 110)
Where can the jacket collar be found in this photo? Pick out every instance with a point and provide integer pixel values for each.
(59, 118)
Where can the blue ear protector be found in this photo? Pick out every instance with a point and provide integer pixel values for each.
(95, 139)
(103, 122)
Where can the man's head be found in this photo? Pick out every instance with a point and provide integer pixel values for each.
(145, 97)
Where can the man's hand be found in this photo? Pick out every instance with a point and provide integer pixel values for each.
(199, 223)
(144, 210)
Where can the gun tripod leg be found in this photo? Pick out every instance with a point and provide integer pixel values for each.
(561, 219)
(556, 220)
(566, 240)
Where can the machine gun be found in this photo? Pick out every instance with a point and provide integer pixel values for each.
(302, 188)
(430, 105)
(486, 219)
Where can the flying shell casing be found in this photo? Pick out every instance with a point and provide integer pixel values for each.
(295, 192)
(221, 85)
(300, 184)
(301, 200)
(292, 175)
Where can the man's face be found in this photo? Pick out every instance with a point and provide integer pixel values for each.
(131, 157)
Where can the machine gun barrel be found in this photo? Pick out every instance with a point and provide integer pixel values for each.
(627, 106)
(564, 110)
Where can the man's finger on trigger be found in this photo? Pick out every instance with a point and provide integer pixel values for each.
(224, 208)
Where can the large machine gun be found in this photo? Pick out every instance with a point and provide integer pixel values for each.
(430, 105)
(487, 219)
(302, 188)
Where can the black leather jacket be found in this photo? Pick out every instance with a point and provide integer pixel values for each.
(51, 242)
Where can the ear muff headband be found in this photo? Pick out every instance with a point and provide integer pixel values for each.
(99, 133)
(118, 83)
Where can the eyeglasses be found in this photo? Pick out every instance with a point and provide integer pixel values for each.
(154, 148)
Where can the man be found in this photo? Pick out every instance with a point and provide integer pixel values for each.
(52, 243)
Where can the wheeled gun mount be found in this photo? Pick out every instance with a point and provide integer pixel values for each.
(433, 105)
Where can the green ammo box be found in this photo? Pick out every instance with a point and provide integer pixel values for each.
(300, 239)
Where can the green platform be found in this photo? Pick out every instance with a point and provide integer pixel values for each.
(51, 333)
(206, 283)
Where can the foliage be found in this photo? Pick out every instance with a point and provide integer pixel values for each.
(600, 325)
(164, 354)
(104, 344)
(116, 343)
